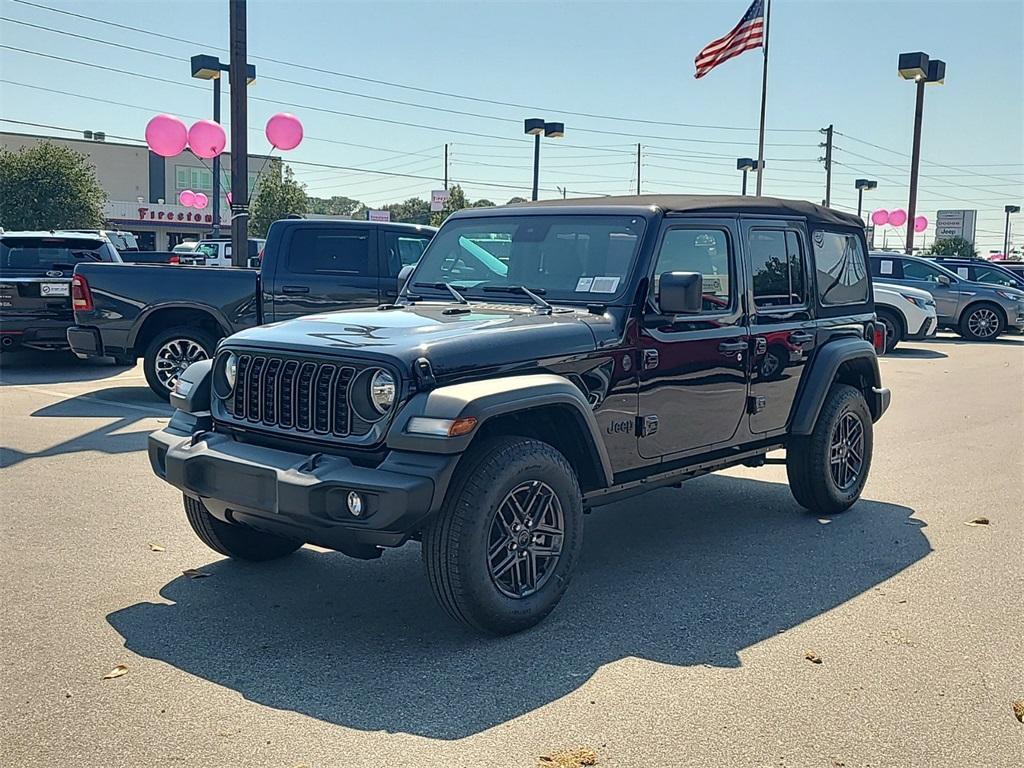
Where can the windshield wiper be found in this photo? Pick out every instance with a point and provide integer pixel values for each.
(523, 290)
(442, 286)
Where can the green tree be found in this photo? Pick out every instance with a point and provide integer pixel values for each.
(338, 205)
(277, 196)
(412, 211)
(515, 200)
(49, 186)
(953, 246)
(483, 203)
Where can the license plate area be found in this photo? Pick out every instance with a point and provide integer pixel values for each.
(54, 289)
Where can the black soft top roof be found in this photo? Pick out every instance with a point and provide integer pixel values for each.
(712, 204)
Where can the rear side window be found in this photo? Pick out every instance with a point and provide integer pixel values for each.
(34, 254)
(841, 266)
(336, 252)
(777, 268)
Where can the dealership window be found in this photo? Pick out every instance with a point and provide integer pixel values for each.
(842, 270)
(190, 177)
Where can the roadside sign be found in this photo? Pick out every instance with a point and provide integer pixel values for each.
(378, 215)
(956, 223)
(438, 199)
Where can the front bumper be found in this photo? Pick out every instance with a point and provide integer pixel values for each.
(926, 331)
(295, 495)
(878, 402)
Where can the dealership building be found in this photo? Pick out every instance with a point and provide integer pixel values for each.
(142, 187)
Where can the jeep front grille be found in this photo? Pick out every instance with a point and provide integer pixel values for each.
(296, 396)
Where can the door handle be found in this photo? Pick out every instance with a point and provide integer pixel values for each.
(799, 338)
(732, 347)
(295, 289)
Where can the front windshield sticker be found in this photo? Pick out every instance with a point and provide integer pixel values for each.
(605, 285)
(583, 284)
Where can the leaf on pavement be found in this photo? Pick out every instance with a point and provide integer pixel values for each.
(1018, 710)
(194, 573)
(569, 758)
(812, 657)
(155, 548)
(978, 521)
(117, 671)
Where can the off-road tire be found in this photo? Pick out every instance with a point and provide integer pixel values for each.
(894, 328)
(807, 457)
(235, 541)
(993, 311)
(186, 333)
(456, 541)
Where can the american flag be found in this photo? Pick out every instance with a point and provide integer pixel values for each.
(749, 33)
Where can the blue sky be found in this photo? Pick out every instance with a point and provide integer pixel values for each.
(831, 62)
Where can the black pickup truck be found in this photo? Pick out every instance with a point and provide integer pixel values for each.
(172, 316)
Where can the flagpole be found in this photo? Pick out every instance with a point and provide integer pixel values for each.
(764, 96)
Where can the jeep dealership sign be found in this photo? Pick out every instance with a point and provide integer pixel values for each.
(955, 224)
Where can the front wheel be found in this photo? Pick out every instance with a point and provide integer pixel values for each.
(235, 541)
(982, 322)
(500, 552)
(828, 468)
(171, 352)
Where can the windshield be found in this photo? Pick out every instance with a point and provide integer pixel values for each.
(31, 254)
(563, 258)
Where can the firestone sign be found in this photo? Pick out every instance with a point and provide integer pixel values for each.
(158, 213)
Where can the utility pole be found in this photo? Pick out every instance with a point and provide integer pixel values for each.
(915, 163)
(446, 166)
(638, 168)
(828, 164)
(239, 136)
(216, 161)
(562, 190)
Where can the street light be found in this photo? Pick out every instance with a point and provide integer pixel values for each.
(1006, 239)
(919, 68)
(861, 185)
(206, 67)
(746, 164)
(536, 126)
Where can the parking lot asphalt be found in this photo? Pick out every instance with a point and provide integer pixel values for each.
(682, 641)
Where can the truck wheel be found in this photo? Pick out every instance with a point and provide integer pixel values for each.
(500, 552)
(828, 468)
(893, 328)
(235, 541)
(982, 322)
(171, 352)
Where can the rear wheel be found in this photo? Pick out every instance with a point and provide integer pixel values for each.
(982, 322)
(235, 541)
(171, 352)
(893, 328)
(500, 552)
(828, 468)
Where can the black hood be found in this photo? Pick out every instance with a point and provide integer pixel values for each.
(449, 336)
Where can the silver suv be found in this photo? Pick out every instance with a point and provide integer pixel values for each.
(977, 311)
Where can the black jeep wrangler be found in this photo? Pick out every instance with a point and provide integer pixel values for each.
(541, 360)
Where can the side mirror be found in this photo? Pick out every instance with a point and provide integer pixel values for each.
(945, 280)
(403, 276)
(680, 293)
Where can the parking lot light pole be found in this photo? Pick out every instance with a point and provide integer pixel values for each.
(536, 126)
(745, 164)
(919, 68)
(1006, 237)
(861, 185)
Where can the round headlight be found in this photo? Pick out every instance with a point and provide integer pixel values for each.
(382, 391)
(231, 369)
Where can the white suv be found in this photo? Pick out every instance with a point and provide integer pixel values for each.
(907, 313)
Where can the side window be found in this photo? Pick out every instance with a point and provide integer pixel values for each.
(403, 250)
(705, 251)
(993, 277)
(841, 267)
(886, 268)
(777, 268)
(915, 270)
(330, 251)
(181, 177)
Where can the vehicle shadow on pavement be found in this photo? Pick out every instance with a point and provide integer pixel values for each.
(910, 353)
(37, 367)
(684, 577)
(125, 405)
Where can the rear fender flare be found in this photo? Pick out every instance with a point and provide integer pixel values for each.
(823, 373)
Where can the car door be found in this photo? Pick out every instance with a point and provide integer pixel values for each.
(398, 249)
(325, 269)
(781, 320)
(946, 291)
(693, 369)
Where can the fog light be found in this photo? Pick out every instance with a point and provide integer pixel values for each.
(355, 504)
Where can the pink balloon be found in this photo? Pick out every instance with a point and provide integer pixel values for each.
(898, 217)
(880, 217)
(201, 201)
(920, 224)
(206, 139)
(187, 198)
(166, 135)
(284, 131)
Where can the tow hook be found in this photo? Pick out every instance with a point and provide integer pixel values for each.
(312, 463)
(198, 437)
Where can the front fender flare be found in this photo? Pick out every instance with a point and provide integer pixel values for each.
(487, 399)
